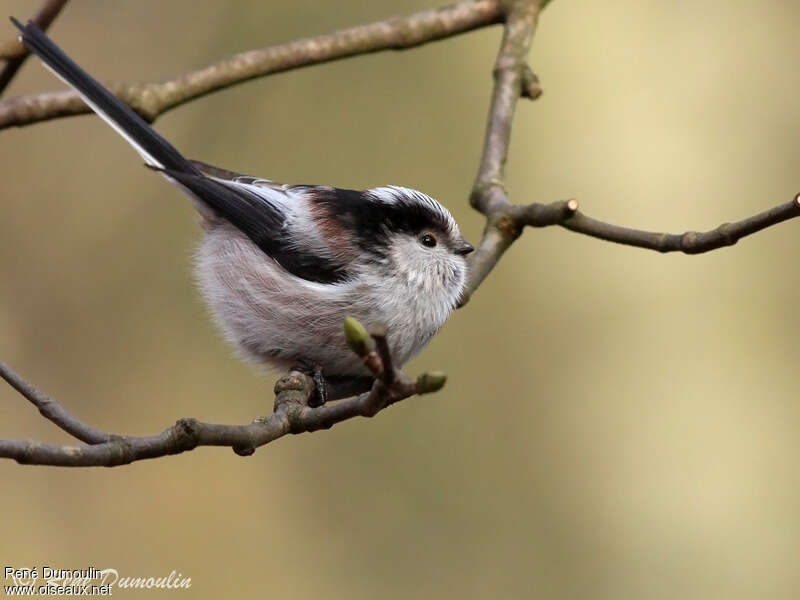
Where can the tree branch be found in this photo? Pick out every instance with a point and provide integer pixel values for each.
(15, 53)
(292, 414)
(567, 215)
(153, 99)
(488, 193)
(513, 78)
(505, 226)
(505, 221)
(52, 410)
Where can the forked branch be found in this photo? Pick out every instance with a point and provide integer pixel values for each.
(153, 99)
(513, 78)
(292, 414)
(14, 54)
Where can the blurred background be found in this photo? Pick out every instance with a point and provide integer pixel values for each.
(617, 423)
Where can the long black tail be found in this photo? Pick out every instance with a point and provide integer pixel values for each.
(156, 151)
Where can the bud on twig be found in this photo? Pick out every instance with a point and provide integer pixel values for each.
(357, 337)
(428, 383)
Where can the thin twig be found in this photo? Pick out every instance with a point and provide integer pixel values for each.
(387, 372)
(691, 242)
(15, 53)
(292, 414)
(153, 99)
(488, 193)
(505, 221)
(504, 224)
(52, 410)
(489, 196)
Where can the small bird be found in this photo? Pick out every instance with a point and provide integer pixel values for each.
(281, 266)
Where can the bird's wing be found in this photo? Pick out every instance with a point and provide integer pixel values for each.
(288, 223)
(280, 220)
(233, 176)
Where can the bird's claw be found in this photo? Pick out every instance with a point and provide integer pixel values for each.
(321, 395)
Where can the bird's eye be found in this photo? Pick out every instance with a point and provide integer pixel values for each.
(427, 240)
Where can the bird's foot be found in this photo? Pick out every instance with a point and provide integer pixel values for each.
(320, 395)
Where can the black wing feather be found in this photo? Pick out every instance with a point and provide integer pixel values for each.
(264, 224)
(261, 221)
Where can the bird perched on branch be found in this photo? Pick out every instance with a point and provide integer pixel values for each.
(281, 266)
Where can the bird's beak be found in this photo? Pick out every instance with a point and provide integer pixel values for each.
(463, 247)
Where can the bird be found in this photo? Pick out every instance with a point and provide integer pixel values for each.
(281, 266)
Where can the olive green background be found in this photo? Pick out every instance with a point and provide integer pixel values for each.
(617, 423)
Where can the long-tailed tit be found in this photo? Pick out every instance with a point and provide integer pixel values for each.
(282, 265)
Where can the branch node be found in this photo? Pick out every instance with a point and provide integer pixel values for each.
(531, 86)
(244, 450)
(122, 452)
(25, 457)
(506, 225)
(293, 388)
(294, 416)
(378, 398)
(727, 233)
(144, 99)
(489, 195)
(374, 363)
(185, 432)
(383, 367)
(571, 206)
(689, 241)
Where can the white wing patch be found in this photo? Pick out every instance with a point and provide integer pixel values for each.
(300, 230)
